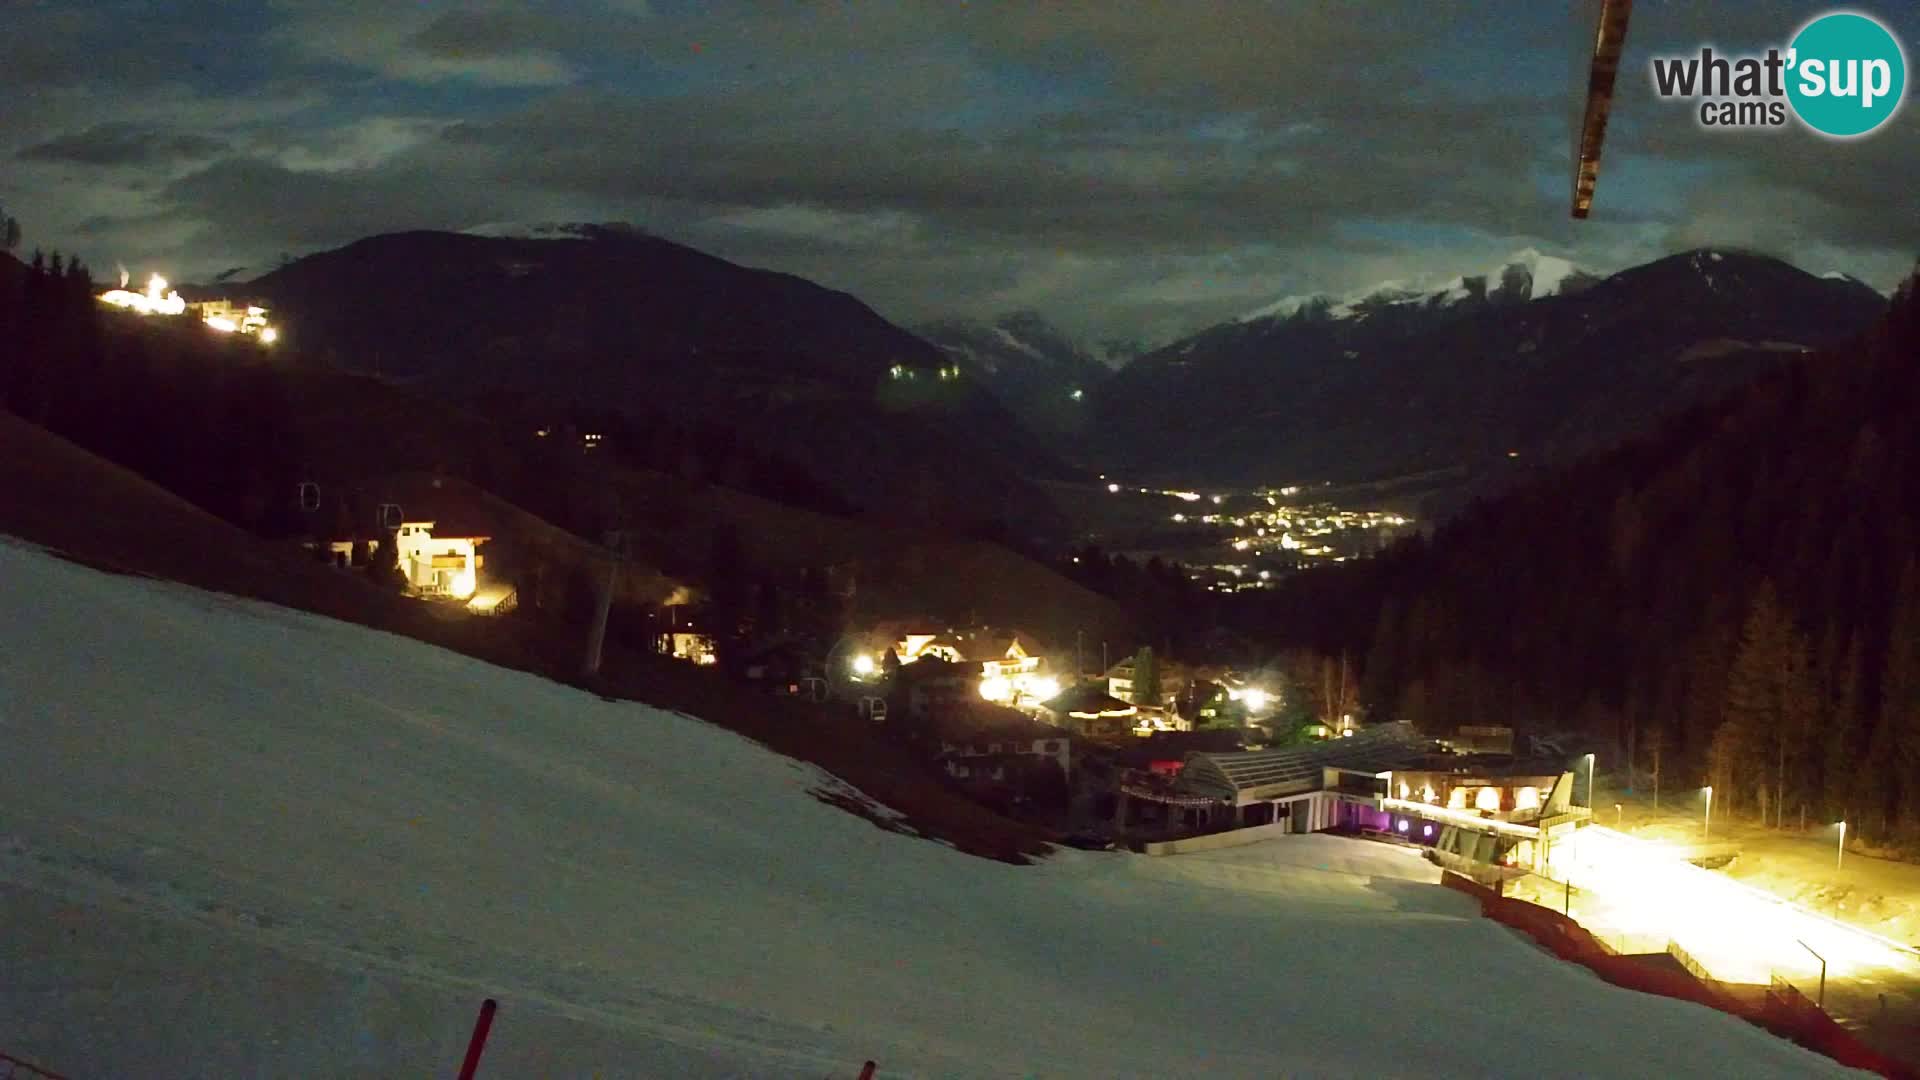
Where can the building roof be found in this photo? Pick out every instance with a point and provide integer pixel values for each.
(1198, 694)
(1296, 769)
(1087, 697)
(986, 721)
(1174, 746)
(992, 644)
(933, 667)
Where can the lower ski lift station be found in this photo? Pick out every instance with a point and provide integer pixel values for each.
(1482, 811)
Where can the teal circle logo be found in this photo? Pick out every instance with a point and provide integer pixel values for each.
(1846, 74)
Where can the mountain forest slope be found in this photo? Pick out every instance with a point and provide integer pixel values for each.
(1401, 382)
(617, 319)
(234, 430)
(1739, 590)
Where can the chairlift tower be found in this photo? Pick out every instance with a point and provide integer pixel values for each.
(618, 542)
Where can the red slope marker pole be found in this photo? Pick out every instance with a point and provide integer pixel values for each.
(866, 1071)
(479, 1041)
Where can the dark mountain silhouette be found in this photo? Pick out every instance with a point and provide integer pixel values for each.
(1401, 382)
(1738, 589)
(614, 318)
(1040, 374)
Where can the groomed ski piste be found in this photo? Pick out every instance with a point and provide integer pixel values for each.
(237, 840)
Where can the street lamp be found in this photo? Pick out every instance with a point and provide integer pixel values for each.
(1617, 815)
(846, 673)
(1707, 830)
(1840, 857)
(1590, 765)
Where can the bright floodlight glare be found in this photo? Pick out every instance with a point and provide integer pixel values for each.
(863, 664)
(996, 689)
(1255, 699)
(1114, 488)
(269, 335)
(1046, 688)
(1739, 933)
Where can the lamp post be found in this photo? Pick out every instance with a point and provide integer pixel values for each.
(844, 671)
(1618, 815)
(1840, 857)
(1590, 778)
(1708, 829)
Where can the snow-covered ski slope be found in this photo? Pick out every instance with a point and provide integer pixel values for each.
(241, 841)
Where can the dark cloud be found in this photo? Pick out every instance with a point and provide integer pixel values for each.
(258, 203)
(124, 144)
(1130, 168)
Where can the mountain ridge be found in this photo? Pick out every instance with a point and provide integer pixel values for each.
(1413, 386)
(612, 317)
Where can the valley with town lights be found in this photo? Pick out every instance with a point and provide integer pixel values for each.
(1108, 540)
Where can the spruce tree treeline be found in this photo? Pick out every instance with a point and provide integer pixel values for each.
(1738, 589)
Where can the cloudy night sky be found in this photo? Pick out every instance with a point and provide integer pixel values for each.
(1128, 169)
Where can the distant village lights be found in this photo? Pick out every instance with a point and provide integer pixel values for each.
(223, 316)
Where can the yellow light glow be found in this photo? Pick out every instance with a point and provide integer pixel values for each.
(222, 324)
(1457, 799)
(1526, 798)
(157, 300)
(1738, 933)
(1045, 688)
(268, 335)
(1428, 795)
(1255, 699)
(464, 583)
(1487, 798)
(1459, 817)
(863, 664)
(996, 689)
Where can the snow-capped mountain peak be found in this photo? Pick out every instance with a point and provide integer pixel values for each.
(1284, 308)
(1014, 342)
(532, 230)
(1525, 275)
(1549, 272)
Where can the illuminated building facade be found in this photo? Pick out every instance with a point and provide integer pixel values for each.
(222, 315)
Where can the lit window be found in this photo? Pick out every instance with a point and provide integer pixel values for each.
(1487, 798)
